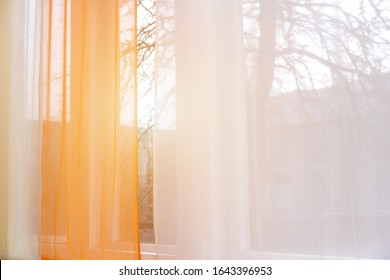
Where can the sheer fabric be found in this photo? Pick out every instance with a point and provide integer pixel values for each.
(271, 129)
(89, 174)
(24, 176)
(5, 86)
(199, 159)
(69, 167)
(20, 176)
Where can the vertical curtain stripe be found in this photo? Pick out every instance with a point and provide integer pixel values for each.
(5, 87)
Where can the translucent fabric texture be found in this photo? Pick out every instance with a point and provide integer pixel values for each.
(89, 171)
(20, 131)
(24, 177)
(69, 130)
(271, 135)
(5, 86)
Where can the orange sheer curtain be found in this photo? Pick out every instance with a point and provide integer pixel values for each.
(89, 146)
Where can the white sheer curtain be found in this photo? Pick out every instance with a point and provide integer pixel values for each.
(200, 147)
(24, 191)
(21, 186)
(271, 135)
